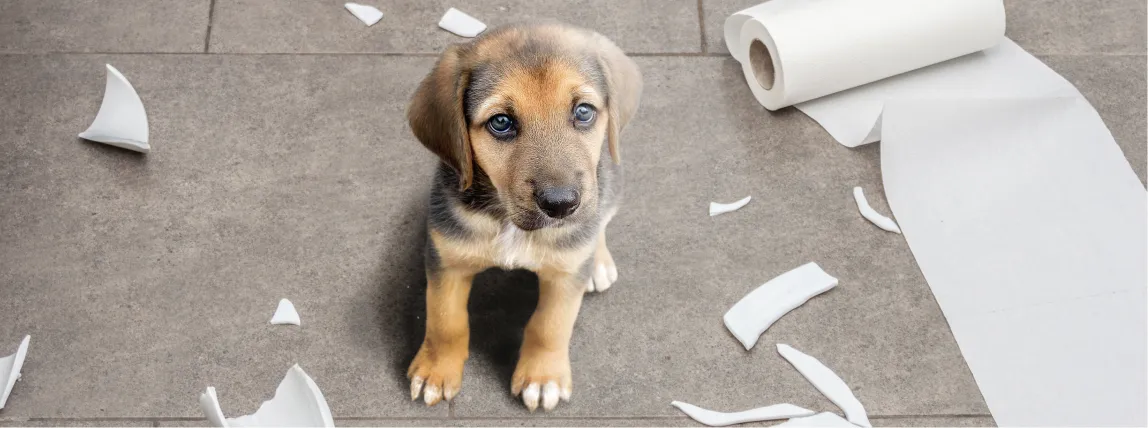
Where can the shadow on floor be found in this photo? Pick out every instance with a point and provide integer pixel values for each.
(501, 302)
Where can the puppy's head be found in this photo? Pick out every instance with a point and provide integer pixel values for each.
(529, 108)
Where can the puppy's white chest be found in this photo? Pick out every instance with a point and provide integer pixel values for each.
(513, 249)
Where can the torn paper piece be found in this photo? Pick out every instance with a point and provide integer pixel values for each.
(10, 370)
(720, 419)
(121, 121)
(285, 314)
(297, 403)
(461, 24)
(368, 14)
(1028, 224)
(824, 419)
(766, 304)
(828, 383)
(716, 208)
(872, 215)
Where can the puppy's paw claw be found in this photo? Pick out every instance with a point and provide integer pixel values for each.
(435, 379)
(542, 381)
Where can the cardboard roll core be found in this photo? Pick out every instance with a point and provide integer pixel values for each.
(762, 64)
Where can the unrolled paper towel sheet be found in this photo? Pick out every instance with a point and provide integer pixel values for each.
(1021, 210)
(1030, 228)
(853, 117)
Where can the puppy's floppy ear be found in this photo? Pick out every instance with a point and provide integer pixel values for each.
(624, 89)
(436, 114)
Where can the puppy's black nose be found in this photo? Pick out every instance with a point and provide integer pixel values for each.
(557, 202)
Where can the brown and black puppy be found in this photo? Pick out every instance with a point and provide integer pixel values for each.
(526, 121)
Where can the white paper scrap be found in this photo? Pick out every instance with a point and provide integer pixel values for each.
(757, 311)
(720, 419)
(1029, 226)
(717, 209)
(10, 369)
(285, 314)
(297, 403)
(824, 419)
(872, 215)
(828, 383)
(461, 24)
(368, 14)
(121, 121)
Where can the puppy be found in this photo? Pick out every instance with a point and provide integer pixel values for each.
(526, 121)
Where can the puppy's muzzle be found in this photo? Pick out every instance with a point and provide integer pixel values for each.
(557, 202)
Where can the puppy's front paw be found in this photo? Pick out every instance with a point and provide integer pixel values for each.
(542, 378)
(437, 374)
(605, 272)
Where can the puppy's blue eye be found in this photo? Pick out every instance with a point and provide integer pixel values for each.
(501, 125)
(584, 114)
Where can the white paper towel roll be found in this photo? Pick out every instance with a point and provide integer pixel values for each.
(797, 50)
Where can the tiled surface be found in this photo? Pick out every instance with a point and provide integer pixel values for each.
(715, 12)
(411, 25)
(936, 421)
(912, 421)
(103, 25)
(670, 421)
(144, 279)
(1115, 85)
(78, 423)
(1078, 27)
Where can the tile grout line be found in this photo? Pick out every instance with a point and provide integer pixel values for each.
(160, 420)
(380, 54)
(436, 54)
(210, 21)
(702, 25)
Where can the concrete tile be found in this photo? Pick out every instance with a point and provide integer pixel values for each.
(78, 423)
(657, 335)
(545, 421)
(412, 25)
(541, 421)
(340, 422)
(1040, 26)
(1115, 85)
(935, 421)
(145, 279)
(1078, 26)
(103, 25)
(715, 12)
(523, 422)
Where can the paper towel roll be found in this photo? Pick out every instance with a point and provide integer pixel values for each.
(797, 50)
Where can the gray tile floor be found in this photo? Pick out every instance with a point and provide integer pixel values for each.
(282, 167)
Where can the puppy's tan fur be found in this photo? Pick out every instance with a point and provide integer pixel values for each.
(483, 212)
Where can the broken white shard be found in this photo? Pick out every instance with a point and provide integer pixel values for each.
(285, 314)
(720, 419)
(10, 370)
(368, 14)
(461, 24)
(297, 403)
(716, 208)
(824, 419)
(828, 383)
(872, 215)
(757, 311)
(121, 121)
